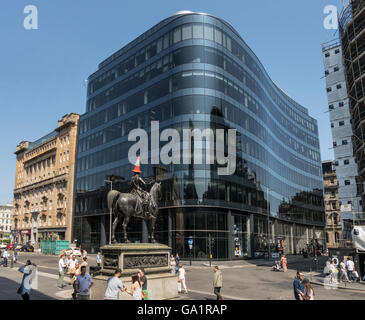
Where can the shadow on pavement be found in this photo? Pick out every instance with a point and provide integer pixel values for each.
(8, 289)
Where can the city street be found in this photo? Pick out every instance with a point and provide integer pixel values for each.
(242, 280)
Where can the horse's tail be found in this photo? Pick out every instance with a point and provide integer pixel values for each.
(113, 197)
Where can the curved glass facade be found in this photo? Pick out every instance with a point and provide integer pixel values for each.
(193, 71)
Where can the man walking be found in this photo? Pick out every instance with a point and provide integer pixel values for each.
(61, 271)
(5, 257)
(114, 285)
(218, 282)
(72, 263)
(298, 286)
(83, 284)
(343, 271)
(350, 268)
(98, 260)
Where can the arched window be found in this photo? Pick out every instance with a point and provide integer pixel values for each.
(336, 237)
(327, 238)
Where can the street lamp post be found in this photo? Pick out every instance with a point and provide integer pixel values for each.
(268, 221)
(111, 213)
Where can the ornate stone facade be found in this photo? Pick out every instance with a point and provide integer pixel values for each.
(332, 206)
(44, 184)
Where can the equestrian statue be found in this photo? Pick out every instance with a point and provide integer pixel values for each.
(139, 203)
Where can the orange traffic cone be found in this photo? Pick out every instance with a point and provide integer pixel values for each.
(137, 166)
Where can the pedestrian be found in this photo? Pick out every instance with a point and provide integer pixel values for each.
(84, 254)
(182, 279)
(136, 288)
(350, 266)
(114, 285)
(173, 265)
(5, 256)
(332, 272)
(343, 271)
(284, 263)
(298, 286)
(177, 259)
(308, 290)
(71, 263)
(15, 256)
(143, 282)
(98, 260)
(83, 284)
(218, 282)
(61, 271)
(84, 262)
(29, 271)
(76, 271)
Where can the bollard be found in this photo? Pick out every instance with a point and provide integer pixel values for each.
(12, 261)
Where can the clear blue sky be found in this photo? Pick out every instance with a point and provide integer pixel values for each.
(42, 71)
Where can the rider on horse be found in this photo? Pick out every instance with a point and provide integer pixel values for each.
(139, 188)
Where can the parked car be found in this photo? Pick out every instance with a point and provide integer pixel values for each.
(73, 252)
(3, 245)
(11, 246)
(27, 248)
(18, 247)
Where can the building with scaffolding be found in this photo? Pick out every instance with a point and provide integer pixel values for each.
(349, 186)
(352, 36)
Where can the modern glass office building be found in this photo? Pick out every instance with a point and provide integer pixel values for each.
(194, 71)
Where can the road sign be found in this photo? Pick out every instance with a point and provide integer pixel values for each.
(190, 242)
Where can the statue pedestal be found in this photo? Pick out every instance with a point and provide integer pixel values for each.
(129, 257)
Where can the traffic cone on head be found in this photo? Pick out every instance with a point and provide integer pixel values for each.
(137, 166)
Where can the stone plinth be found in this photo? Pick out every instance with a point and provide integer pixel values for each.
(129, 257)
(161, 286)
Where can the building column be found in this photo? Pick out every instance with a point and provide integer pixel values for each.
(291, 239)
(230, 222)
(250, 229)
(294, 238)
(103, 240)
(169, 228)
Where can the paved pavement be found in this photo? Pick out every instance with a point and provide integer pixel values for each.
(243, 280)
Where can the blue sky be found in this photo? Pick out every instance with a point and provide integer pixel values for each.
(42, 71)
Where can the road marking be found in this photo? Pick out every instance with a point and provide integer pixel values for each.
(223, 295)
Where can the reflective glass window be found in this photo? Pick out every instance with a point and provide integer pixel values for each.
(177, 35)
(198, 31)
(187, 32)
(208, 32)
(218, 36)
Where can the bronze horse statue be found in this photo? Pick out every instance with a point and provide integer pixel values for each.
(129, 205)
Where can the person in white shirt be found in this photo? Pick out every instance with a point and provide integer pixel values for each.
(182, 278)
(350, 266)
(71, 264)
(333, 272)
(83, 284)
(5, 257)
(114, 286)
(61, 271)
(98, 260)
(343, 271)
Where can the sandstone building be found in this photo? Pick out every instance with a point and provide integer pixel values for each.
(44, 184)
(333, 213)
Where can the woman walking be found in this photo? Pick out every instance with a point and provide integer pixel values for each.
(308, 290)
(173, 265)
(284, 263)
(182, 280)
(29, 271)
(136, 288)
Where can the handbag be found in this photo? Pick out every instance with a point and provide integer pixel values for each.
(179, 286)
(144, 295)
